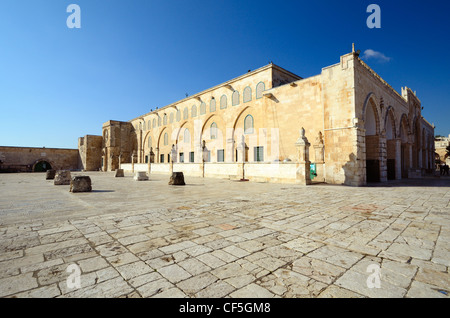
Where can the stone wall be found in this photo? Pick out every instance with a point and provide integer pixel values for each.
(258, 172)
(29, 159)
(90, 150)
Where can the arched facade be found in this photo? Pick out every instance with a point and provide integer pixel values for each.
(359, 129)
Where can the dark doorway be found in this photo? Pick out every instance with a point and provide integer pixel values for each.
(42, 166)
(373, 170)
(391, 169)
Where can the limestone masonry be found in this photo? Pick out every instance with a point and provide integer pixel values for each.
(357, 129)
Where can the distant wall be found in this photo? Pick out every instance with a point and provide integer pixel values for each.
(90, 150)
(28, 159)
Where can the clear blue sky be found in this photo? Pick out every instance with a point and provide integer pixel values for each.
(57, 84)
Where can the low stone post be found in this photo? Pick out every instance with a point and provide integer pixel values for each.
(50, 174)
(303, 165)
(62, 177)
(149, 164)
(80, 184)
(119, 173)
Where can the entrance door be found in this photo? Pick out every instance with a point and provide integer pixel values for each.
(42, 166)
(373, 170)
(391, 169)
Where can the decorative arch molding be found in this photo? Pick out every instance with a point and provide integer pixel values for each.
(178, 130)
(160, 136)
(391, 113)
(208, 121)
(369, 96)
(403, 121)
(371, 100)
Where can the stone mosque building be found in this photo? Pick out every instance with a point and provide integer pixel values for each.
(345, 125)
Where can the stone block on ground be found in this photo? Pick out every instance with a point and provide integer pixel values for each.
(119, 173)
(62, 177)
(177, 178)
(80, 184)
(140, 176)
(50, 174)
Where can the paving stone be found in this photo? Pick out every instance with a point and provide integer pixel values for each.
(16, 284)
(422, 290)
(155, 287)
(336, 256)
(135, 269)
(194, 284)
(252, 291)
(357, 282)
(317, 269)
(174, 273)
(219, 289)
(333, 291)
(194, 266)
(92, 264)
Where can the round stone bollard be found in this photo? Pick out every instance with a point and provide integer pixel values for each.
(62, 177)
(140, 176)
(177, 178)
(50, 174)
(80, 184)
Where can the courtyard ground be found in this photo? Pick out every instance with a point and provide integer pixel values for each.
(219, 238)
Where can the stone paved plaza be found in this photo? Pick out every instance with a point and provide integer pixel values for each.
(220, 238)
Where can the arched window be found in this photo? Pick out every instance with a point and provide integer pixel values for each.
(148, 124)
(202, 109)
(212, 105)
(166, 139)
(159, 121)
(171, 118)
(194, 111)
(149, 142)
(140, 126)
(247, 94)
(165, 119)
(235, 98)
(144, 127)
(248, 125)
(223, 102)
(154, 122)
(187, 136)
(185, 113)
(178, 115)
(260, 88)
(213, 131)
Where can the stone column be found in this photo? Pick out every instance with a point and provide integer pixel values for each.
(132, 162)
(383, 156)
(409, 151)
(157, 156)
(241, 158)
(230, 150)
(303, 165)
(202, 156)
(398, 159)
(173, 156)
(198, 152)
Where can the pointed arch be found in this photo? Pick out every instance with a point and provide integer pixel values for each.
(390, 125)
